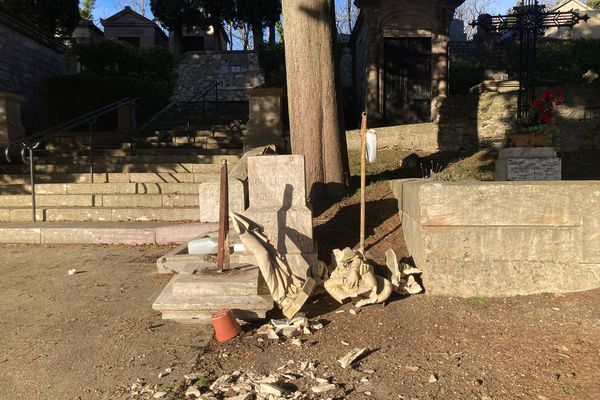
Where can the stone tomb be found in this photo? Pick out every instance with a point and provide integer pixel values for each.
(277, 194)
(528, 164)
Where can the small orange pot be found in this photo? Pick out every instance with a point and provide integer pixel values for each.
(226, 327)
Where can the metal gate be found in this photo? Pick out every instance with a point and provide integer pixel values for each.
(407, 74)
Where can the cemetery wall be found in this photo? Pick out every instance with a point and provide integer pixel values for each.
(28, 59)
(238, 70)
(470, 122)
(502, 238)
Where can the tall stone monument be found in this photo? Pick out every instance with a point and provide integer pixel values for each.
(11, 128)
(265, 126)
(277, 194)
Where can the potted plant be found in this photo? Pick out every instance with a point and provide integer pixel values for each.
(536, 128)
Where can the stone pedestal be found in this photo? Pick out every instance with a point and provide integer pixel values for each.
(209, 197)
(126, 121)
(264, 122)
(528, 164)
(277, 194)
(192, 298)
(11, 128)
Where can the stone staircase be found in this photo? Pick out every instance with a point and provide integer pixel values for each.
(151, 176)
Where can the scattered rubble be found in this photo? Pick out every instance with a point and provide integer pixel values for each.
(349, 358)
(276, 329)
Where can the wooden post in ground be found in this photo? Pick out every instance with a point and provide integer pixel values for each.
(363, 179)
(223, 242)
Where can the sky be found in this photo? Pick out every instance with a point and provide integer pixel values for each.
(105, 8)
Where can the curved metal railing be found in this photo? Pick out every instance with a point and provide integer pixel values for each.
(32, 142)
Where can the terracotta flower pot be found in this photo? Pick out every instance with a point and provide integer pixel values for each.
(525, 140)
(226, 327)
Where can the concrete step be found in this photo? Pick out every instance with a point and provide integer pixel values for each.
(127, 233)
(117, 177)
(100, 200)
(101, 188)
(198, 168)
(94, 214)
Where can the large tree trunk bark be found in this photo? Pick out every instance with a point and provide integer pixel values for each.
(272, 32)
(257, 36)
(313, 94)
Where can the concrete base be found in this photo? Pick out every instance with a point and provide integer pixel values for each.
(193, 298)
(528, 164)
(502, 238)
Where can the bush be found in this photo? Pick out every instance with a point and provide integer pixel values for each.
(271, 58)
(69, 96)
(464, 75)
(115, 58)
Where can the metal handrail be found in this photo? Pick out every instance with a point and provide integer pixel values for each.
(206, 87)
(32, 142)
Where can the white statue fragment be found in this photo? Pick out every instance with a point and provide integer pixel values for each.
(289, 291)
(354, 277)
(403, 278)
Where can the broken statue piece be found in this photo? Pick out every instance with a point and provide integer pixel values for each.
(402, 278)
(288, 290)
(354, 277)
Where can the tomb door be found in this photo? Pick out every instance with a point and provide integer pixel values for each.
(407, 80)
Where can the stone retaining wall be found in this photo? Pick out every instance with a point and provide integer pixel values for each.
(502, 238)
(238, 70)
(471, 122)
(28, 58)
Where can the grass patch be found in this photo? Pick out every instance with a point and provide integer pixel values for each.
(477, 301)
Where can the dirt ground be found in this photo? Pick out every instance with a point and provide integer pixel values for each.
(93, 334)
(86, 335)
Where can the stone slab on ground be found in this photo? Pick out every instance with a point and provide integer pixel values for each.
(131, 233)
(198, 309)
(502, 238)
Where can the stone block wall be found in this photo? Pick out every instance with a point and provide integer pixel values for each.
(502, 238)
(28, 58)
(238, 70)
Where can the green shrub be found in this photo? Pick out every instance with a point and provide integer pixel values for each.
(464, 75)
(271, 58)
(69, 96)
(115, 58)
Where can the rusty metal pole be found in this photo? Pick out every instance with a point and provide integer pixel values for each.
(363, 179)
(223, 245)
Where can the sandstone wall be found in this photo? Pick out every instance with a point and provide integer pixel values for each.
(238, 70)
(28, 58)
(502, 238)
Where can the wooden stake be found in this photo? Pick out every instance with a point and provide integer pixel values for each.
(363, 179)
(223, 242)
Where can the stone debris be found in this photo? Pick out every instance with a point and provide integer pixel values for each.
(269, 388)
(159, 395)
(166, 372)
(345, 343)
(292, 328)
(192, 391)
(72, 271)
(297, 342)
(433, 378)
(349, 358)
(323, 387)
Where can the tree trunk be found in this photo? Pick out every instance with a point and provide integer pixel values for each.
(178, 39)
(257, 36)
(313, 94)
(272, 32)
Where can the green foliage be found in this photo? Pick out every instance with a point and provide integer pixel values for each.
(68, 96)
(272, 63)
(258, 12)
(465, 75)
(595, 4)
(53, 17)
(477, 301)
(115, 58)
(86, 7)
(173, 14)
